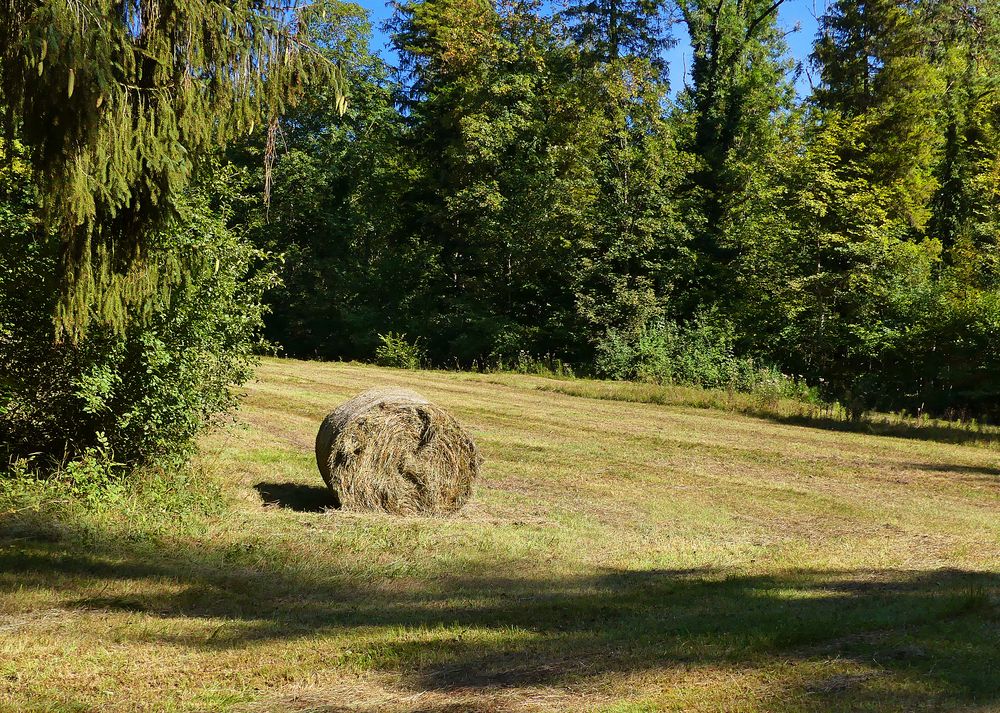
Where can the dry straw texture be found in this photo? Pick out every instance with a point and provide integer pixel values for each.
(390, 449)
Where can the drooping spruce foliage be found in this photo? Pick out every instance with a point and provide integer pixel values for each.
(116, 103)
(117, 216)
(525, 183)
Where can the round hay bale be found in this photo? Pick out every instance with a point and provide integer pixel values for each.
(390, 449)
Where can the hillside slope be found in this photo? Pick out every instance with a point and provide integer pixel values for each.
(615, 557)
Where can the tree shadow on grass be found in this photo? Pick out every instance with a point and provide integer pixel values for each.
(946, 468)
(871, 423)
(297, 497)
(923, 639)
(940, 432)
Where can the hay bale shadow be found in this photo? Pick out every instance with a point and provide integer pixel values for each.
(297, 497)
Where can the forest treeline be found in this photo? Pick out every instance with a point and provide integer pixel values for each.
(526, 182)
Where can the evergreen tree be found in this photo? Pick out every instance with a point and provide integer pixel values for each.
(631, 250)
(607, 30)
(141, 395)
(116, 102)
(635, 245)
(730, 117)
(875, 74)
(499, 140)
(963, 41)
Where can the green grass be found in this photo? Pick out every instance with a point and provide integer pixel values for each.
(617, 556)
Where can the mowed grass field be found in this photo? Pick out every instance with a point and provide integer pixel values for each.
(617, 557)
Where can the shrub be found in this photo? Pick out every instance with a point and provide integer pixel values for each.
(142, 394)
(395, 351)
(698, 354)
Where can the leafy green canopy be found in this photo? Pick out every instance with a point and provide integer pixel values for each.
(116, 101)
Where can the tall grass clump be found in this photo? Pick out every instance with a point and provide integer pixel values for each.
(700, 354)
(398, 352)
(526, 363)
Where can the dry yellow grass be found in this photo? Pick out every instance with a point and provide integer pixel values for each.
(616, 557)
(390, 450)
